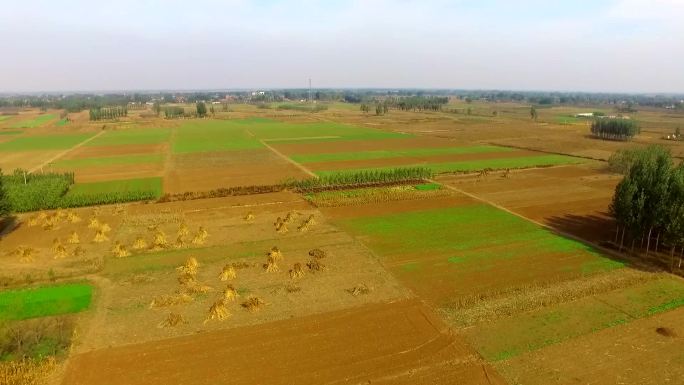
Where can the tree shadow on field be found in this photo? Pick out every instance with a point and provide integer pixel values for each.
(594, 228)
(7, 225)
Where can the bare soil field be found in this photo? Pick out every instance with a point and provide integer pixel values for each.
(573, 198)
(117, 172)
(209, 171)
(398, 343)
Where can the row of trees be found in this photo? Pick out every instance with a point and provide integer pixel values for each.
(648, 204)
(103, 113)
(418, 103)
(614, 129)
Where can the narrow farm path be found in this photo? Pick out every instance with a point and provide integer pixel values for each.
(61, 154)
(281, 155)
(543, 225)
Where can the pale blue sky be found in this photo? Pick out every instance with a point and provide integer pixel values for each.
(600, 45)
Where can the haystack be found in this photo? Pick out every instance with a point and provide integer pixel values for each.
(72, 217)
(315, 265)
(49, 222)
(173, 320)
(358, 290)
(271, 266)
(281, 228)
(311, 221)
(120, 250)
(218, 311)
(278, 222)
(317, 253)
(159, 241)
(230, 294)
(200, 237)
(253, 304)
(180, 242)
(249, 217)
(42, 215)
(32, 221)
(105, 228)
(275, 253)
(139, 243)
(189, 267)
(119, 209)
(296, 272)
(93, 223)
(59, 214)
(183, 230)
(73, 238)
(78, 251)
(170, 300)
(58, 249)
(304, 227)
(26, 254)
(100, 236)
(228, 273)
(289, 218)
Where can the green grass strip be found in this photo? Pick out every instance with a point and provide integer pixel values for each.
(62, 122)
(386, 154)
(44, 142)
(44, 301)
(109, 160)
(37, 121)
(152, 184)
(11, 132)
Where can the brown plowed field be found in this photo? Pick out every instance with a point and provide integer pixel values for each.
(573, 199)
(117, 172)
(209, 171)
(403, 161)
(399, 342)
(629, 354)
(128, 149)
(360, 145)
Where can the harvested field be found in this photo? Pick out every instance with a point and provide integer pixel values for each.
(397, 343)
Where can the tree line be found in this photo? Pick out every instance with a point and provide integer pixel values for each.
(648, 204)
(103, 113)
(614, 129)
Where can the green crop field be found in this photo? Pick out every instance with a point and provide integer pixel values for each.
(4, 117)
(35, 122)
(477, 165)
(458, 247)
(213, 135)
(44, 301)
(386, 154)
(525, 332)
(109, 160)
(271, 130)
(61, 122)
(44, 142)
(153, 184)
(132, 136)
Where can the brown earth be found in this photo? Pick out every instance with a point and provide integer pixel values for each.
(209, 171)
(105, 151)
(117, 172)
(573, 198)
(403, 161)
(398, 343)
(627, 354)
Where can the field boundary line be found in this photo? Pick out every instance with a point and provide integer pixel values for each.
(548, 227)
(61, 154)
(283, 156)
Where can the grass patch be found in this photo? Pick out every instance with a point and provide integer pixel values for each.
(35, 122)
(132, 136)
(44, 142)
(428, 186)
(271, 130)
(11, 132)
(212, 135)
(387, 154)
(44, 301)
(375, 194)
(62, 122)
(109, 160)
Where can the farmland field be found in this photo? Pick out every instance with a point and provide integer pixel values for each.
(264, 249)
(35, 122)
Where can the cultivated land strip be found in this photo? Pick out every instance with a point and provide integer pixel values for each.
(283, 156)
(61, 154)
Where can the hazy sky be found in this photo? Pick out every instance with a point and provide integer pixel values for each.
(589, 45)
